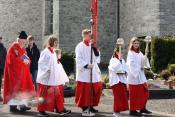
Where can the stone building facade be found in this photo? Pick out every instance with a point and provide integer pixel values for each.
(17, 15)
(66, 19)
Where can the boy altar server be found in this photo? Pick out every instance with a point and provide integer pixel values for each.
(87, 93)
(49, 81)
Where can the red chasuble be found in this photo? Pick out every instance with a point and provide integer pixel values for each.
(17, 78)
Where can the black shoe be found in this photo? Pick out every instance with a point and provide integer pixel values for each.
(42, 114)
(64, 112)
(92, 109)
(24, 108)
(13, 109)
(135, 113)
(84, 108)
(145, 111)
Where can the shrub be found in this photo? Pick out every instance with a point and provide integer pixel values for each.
(103, 66)
(172, 78)
(165, 74)
(72, 79)
(68, 62)
(171, 68)
(149, 74)
(105, 80)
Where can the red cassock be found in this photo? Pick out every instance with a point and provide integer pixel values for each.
(120, 97)
(17, 77)
(53, 98)
(83, 91)
(61, 87)
(138, 96)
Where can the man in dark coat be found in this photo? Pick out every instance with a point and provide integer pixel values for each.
(2, 62)
(34, 54)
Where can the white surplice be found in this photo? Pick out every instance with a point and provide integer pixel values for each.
(83, 53)
(116, 66)
(63, 78)
(49, 71)
(135, 64)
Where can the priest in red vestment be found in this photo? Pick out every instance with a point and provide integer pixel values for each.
(18, 86)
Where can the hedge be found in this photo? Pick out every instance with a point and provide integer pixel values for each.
(162, 52)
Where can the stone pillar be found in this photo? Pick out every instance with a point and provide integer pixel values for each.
(47, 8)
(56, 18)
(47, 20)
(117, 19)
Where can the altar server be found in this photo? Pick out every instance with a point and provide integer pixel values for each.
(118, 82)
(49, 81)
(138, 89)
(87, 93)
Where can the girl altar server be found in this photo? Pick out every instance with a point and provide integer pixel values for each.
(138, 90)
(118, 81)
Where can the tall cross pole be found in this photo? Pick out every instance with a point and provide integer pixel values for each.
(94, 29)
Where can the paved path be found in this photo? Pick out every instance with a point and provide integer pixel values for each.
(160, 108)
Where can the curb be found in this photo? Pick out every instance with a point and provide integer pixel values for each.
(162, 93)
